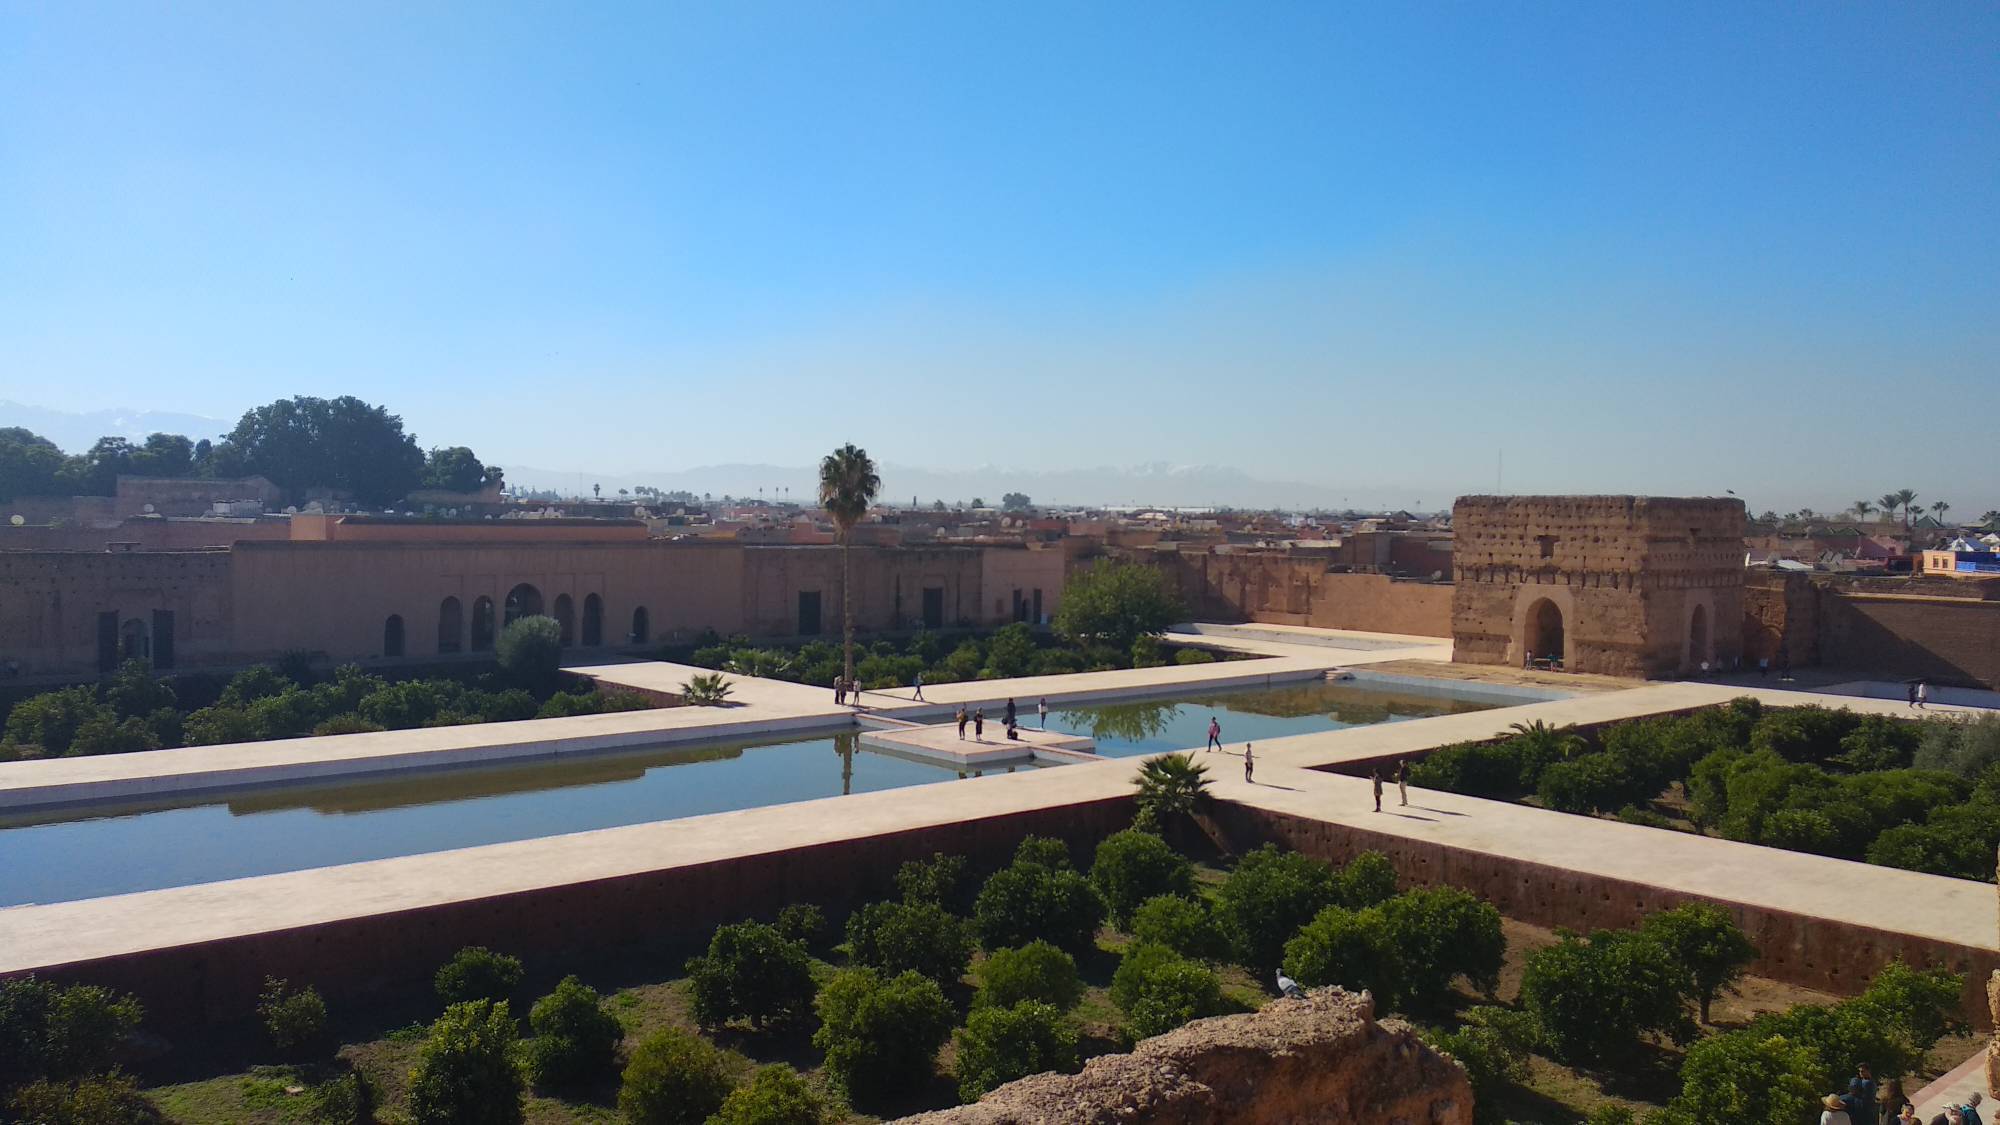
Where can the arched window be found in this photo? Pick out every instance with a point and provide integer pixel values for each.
(522, 601)
(482, 624)
(593, 621)
(640, 626)
(566, 617)
(451, 626)
(392, 635)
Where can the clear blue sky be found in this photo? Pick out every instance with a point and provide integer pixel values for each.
(1669, 248)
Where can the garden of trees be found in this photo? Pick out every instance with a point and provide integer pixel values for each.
(961, 980)
(1918, 794)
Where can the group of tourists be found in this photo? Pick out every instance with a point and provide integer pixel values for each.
(1920, 694)
(846, 692)
(1402, 782)
(978, 720)
(1868, 1102)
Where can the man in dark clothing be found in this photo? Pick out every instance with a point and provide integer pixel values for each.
(1861, 1096)
(1375, 775)
(979, 724)
(1010, 712)
(1970, 1110)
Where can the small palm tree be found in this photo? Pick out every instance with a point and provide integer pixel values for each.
(1171, 785)
(1863, 509)
(848, 483)
(1908, 499)
(705, 689)
(1939, 509)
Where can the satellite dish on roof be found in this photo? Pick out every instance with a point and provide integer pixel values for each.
(16, 519)
(149, 509)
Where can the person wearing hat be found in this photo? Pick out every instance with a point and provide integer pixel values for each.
(1835, 1112)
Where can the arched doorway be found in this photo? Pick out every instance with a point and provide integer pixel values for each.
(1545, 632)
(392, 635)
(566, 617)
(135, 641)
(1698, 638)
(451, 626)
(522, 601)
(482, 624)
(641, 626)
(593, 621)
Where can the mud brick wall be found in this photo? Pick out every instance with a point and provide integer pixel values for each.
(1278, 588)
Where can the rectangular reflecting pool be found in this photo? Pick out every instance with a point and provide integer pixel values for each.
(75, 853)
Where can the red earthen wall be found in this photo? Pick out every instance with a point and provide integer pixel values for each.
(1286, 589)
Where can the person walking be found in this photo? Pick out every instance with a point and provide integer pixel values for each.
(979, 724)
(1861, 1091)
(839, 692)
(1042, 710)
(962, 718)
(1402, 781)
(918, 683)
(1214, 734)
(1911, 691)
(1834, 1111)
(1763, 667)
(1010, 712)
(1249, 763)
(1375, 776)
(1923, 695)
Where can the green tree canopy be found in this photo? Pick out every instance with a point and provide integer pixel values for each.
(1114, 603)
(29, 463)
(343, 444)
(457, 469)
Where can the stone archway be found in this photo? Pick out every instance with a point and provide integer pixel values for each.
(593, 621)
(1544, 637)
(1700, 652)
(482, 624)
(565, 615)
(522, 601)
(392, 635)
(451, 626)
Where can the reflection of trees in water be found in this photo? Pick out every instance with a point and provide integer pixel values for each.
(1125, 722)
(844, 745)
(1352, 706)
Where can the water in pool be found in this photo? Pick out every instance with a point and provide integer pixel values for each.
(74, 853)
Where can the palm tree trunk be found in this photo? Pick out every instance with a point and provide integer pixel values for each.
(846, 609)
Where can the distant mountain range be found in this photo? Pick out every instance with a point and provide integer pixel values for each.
(78, 432)
(1155, 485)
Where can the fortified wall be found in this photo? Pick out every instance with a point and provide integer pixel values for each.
(1288, 588)
(1619, 585)
(1945, 630)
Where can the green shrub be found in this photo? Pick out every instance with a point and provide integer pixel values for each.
(1368, 878)
(1010, 650)
(291, 1018)
(1921, 1004)
(1133, 866)
(752, 972)
(1472, 768)
(939, 880)
(1589, 784)
(1194, 656)
(894, 936)
(1593, 998)
(1184, 925)
(575, 1038)
(1708, 786)
(1032, 900)
(402, 705)
(1047, 851)
(1749, 1077)
(673, 1078)
(465, 1070)
(63, 1032)
(530, 651)
(1966, 747)
(804, 923)
(706, 689)
(881, 1035)
(478, 973)
(346, 1099)
(998, 1045)
(1878, 742)
(1802, 734)
(775, 1095)
(1159, 990)
(1266, 899)
(51, 720)
(110, 1099)
(1406, 950)
(1350, 948)
(1493, 1061)
(1711, 950)
(1958, 840)
(1113, 603)
(1036, 971)
(347, 724)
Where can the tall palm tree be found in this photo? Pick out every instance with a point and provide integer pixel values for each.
(1890, 501)
(1938, 509)
(1863, 508)
(848, 483)
(1908, 499)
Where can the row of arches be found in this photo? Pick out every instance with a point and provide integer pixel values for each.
(1543, 638)
(523, 600)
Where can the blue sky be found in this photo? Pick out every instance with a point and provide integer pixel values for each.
(1663, 248)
